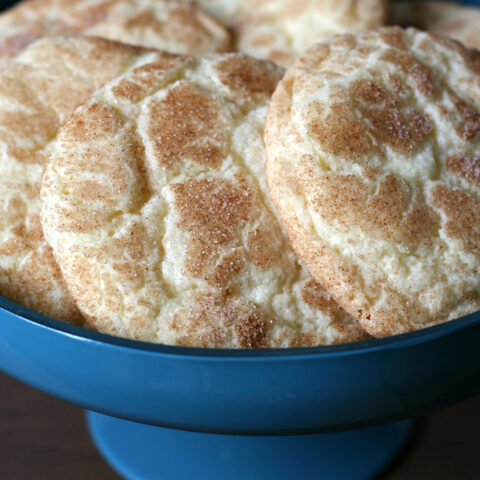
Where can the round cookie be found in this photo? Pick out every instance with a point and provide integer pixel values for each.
(177, 26)
(279, 31)
(459, 22)
(38, 91)
(156, 206)
(373, 163)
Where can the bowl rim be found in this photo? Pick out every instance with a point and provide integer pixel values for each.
(388, 343)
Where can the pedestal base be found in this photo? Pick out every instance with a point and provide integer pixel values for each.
(144, 452)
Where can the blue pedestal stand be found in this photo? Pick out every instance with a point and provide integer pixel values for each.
(144, 452)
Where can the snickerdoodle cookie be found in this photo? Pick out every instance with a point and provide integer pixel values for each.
(155, 204)
(373, 162)
(38, 91)
(177, 26)
(279, 30)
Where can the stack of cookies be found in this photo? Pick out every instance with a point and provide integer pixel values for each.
(166, 190)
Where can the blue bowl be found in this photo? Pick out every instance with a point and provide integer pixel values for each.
(247, 398)
(244, 392)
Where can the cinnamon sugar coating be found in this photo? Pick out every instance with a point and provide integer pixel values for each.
(38, 91)
(155, 204)
(177, 26)
(373, 163)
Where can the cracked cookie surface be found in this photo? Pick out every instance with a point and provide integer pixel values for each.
(156, 206)
(177, 26)
(373, 162)
(38, 91)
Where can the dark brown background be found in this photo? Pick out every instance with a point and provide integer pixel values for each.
(45, 438)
